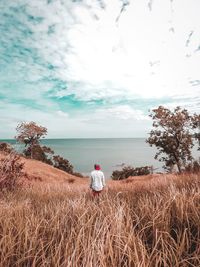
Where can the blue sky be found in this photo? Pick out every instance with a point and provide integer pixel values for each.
(95, 68)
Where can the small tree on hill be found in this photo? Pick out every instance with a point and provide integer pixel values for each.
(172, 135)
(29, 133)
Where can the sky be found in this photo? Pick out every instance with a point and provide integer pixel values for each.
(96, 68)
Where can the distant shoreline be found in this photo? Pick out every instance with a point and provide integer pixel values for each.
(80, 138)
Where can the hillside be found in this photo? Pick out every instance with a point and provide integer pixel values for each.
(42, 172)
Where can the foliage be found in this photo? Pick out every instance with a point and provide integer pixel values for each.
(5, 147)
(62, 164)
(41, 153)
(196, 126)
(173, 136)
(128, 171)
(193, 167)
(30, 134)
(11, 172)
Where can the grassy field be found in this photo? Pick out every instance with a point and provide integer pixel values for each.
(152, 222)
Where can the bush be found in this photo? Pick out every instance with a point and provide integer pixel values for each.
(11, 172)
(78, 174)
(5, 147)
(71, 180)
(128, 171)
(193, 167)
(40, 153)
(62, 164)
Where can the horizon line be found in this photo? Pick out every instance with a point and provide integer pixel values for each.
(58, 138)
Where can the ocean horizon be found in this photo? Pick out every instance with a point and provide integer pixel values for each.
(111, 153)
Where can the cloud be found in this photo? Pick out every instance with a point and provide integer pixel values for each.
(123, 112)
(75, 61)
(105, 59)
(62, 114)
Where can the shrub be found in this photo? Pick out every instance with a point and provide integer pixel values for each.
(11, 172)
(41, 153)
(71, 180)
(128, 171)
(5, 147)
(62, 164)
(193, 167)
(78, 174)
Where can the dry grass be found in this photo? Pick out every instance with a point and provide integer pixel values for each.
(40, 172)
(138, 223)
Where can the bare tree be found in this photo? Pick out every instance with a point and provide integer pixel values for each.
(172, 135)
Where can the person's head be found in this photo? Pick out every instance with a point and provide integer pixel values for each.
(97, 167)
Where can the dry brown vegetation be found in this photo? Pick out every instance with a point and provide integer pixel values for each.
(38, 171)
(142, 221)
(11, 172)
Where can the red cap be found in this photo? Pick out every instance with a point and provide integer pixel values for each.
(97, 167)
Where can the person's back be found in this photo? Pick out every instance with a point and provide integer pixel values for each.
(97, 180)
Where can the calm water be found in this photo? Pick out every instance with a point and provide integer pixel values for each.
(109, 153)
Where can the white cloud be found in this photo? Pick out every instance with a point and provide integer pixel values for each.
(62, 114)
(109, 122)
(119, 114)
(123, 112)
(111, 58)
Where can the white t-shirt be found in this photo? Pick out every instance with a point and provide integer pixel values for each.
(97, 180)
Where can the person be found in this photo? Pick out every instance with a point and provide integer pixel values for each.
(97, 180)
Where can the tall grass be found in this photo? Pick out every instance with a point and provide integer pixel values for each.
(148, 225)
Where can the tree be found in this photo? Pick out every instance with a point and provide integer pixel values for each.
(196, 126)
(172, 135)
(30, 134)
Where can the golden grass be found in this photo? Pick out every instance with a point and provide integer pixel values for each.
(137, 223)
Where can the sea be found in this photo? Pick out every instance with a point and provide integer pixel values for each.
(111, 153)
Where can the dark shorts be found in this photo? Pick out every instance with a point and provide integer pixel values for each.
(96, 193)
